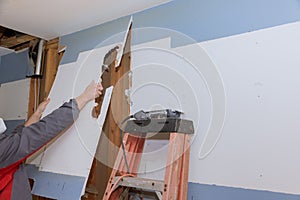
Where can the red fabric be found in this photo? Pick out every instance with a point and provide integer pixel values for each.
(6, 179)
(7, 176)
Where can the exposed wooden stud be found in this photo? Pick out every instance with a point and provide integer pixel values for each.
(50, 68)
(34, 88)
(111, 128)
(119, 99)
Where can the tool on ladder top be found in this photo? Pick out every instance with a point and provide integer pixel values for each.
(124, 183)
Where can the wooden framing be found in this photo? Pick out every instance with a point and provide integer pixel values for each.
(100, 172)
(14, 40)
(11, 42)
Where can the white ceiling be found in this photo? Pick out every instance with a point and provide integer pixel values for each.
(50, 19)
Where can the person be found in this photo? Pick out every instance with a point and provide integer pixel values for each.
(30, 137)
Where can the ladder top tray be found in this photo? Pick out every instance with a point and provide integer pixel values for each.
(160, 126)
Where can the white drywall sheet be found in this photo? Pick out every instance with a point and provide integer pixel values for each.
(260, 142)
(258, 146)
(73, 152)
(14, 97)
(122, 46)
(164, 79)
(80, 141)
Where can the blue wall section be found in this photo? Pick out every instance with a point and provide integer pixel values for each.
(13, 67)
(55, 186)
(212, 192)
(210, 19)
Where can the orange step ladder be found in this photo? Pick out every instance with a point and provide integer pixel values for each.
(124, 182)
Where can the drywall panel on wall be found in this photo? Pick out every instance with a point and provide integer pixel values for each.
(150, 161)
(258, 146)
(164, 79)
(14, 98)
(260, 142)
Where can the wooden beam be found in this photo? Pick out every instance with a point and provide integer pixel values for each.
(119, 101)
(15, 41)
(50, 67)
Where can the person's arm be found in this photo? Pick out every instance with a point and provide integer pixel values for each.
(92, 91)
(37, 133)
(36, 116)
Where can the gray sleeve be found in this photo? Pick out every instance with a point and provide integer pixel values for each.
(26, 140)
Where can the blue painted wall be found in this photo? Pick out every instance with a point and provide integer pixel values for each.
(210, 19)
(55, 186)
(13, 67)
(213, 192)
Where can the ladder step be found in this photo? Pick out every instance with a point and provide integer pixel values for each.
(140, 183)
